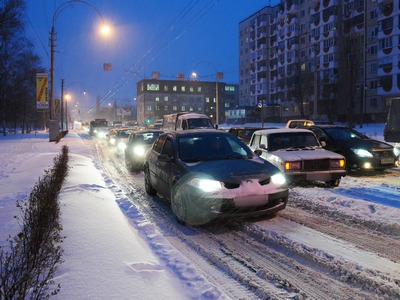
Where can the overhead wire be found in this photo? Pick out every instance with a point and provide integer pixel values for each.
(121, 82)
(137, 67)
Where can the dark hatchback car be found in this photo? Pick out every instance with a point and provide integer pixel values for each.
(362, 153)
(207, 174)
(139, 141)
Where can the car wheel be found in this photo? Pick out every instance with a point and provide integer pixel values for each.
(333, 183)
(136, 166)
(128, 163)
(178, 203)
(147, 184)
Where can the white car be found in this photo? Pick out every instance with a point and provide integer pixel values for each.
(298, 154)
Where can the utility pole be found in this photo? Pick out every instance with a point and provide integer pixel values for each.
(315, 84)
(62, 104)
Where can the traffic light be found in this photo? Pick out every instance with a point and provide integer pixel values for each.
(148, 121)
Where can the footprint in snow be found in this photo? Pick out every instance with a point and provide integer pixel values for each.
(372, 208)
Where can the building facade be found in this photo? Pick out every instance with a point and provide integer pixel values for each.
(323, 59)
(157, 97)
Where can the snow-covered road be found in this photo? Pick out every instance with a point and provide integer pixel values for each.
(328, 244)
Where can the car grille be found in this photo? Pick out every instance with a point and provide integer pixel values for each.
(316, 165)
(383, 153)
(229, 207)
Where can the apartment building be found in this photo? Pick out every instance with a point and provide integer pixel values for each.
(321, 59)
(157, 97)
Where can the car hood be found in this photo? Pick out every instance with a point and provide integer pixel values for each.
(365, 143)
(306, 154)
(234, 169)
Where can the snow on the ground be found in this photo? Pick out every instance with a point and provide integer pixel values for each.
(111, 251)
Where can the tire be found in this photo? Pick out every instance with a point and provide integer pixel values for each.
(178, 203)
(147, 184)
(333, 183)
(128, 163)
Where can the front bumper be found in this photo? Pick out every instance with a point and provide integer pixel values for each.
(315, 176)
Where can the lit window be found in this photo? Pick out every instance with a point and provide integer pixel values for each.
(153, 87)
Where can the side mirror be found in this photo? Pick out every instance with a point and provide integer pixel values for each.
(258, 152)
(323, 144)
(262, 146)
(216, 126)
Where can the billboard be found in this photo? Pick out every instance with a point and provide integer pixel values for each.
(42, 84)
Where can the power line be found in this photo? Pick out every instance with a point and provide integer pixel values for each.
(140, 64)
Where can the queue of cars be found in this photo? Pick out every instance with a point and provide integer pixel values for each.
(207, 174)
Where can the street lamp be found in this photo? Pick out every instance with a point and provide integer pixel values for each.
(218, 75)
(53, 131)
(67, 97)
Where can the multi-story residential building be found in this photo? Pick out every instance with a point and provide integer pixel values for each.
(328, 59)
(157, 97)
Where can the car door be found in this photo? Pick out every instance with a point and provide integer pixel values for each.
(165, 167)
(152, 161)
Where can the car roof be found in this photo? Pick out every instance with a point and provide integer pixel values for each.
(325, 126)
(179, 133)
(247, 127)
(282, 130)
(137, 131)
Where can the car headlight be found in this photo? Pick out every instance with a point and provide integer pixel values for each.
(121, 146)
(293, 165)
(278, 179)
(112, 141)
(396, 151)
(206, 185)
(362, 152)
(337, 163)
(139, 150)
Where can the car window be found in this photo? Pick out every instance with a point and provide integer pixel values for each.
(263, 140)
(255, 142)
(146, 137)
(292, 140)
(343, 134)
(159, 143)
(198, 123)
(168, 148)
(211, 147)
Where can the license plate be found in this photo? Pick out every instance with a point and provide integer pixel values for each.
(248, 201)
(387, 160)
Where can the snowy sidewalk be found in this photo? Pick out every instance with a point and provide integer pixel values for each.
(105, 258)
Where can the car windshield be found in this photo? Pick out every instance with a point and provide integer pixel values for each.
(336, 133)
(292, 140)
(199, 123)
(211, 147)
(124, 133)
(146, 137)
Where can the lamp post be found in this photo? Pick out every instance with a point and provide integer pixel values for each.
(53, 131)
(218, 75)
(67, 97)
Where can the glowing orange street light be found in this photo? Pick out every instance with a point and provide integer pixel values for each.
(53, 131)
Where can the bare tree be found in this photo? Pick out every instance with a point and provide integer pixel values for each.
(17, 66)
